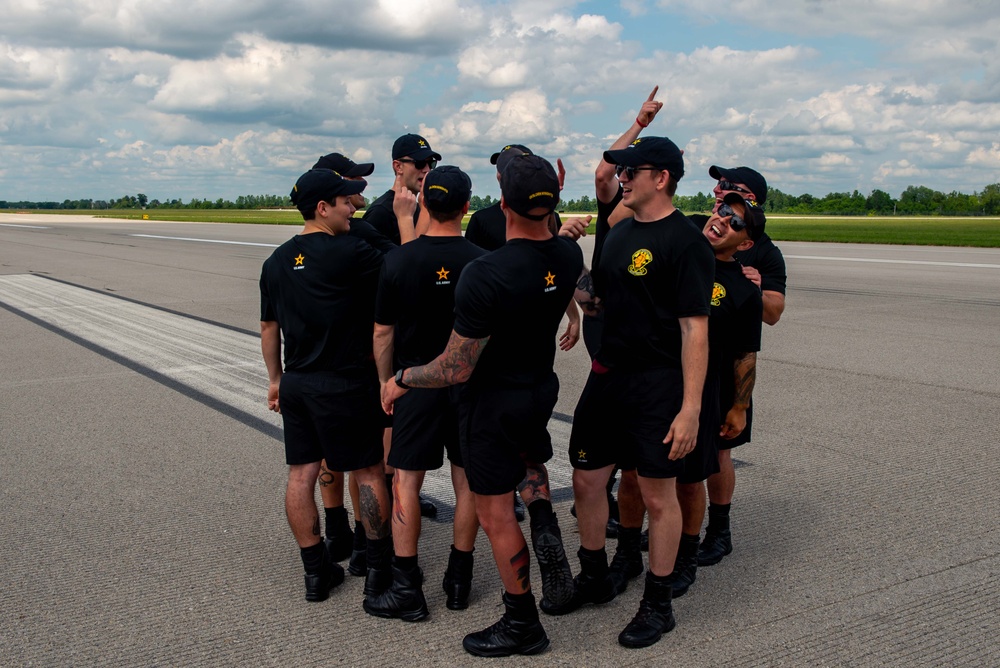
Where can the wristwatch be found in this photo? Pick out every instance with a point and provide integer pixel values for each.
(399, 380)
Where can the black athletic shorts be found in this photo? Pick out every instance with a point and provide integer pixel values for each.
(425, 425)
(330, 417)
(502, 428)
(623, 417)
(703, 461)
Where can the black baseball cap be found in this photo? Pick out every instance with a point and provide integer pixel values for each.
(659, 152)
(446, 188)
(322, 185)
(506, 153)
(748, 177)
(413, 146)
(529, 182)
(753, 214)
(344, 165)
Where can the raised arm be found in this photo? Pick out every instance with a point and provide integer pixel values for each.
(605, 182)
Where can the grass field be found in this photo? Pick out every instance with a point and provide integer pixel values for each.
(925, 231)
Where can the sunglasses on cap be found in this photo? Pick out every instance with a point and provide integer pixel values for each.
(420, 164)
(735, 221)
(630, 171)
(729, 185)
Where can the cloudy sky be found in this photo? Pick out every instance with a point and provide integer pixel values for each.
(218, 98)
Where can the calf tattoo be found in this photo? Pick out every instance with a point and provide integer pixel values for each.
(371, 512)
(535, 484)
(521, 563)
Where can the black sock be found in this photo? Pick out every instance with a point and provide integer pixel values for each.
(312, 557)
(719, 509)
(629, 539)
(541, 513)
(336, 521)
(378, 552)
(360, 538)
(521, 606)
(405, 564)
(593, 562)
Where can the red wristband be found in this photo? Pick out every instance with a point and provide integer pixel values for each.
(641, 124)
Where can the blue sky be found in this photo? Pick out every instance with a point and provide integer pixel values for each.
(102, 98)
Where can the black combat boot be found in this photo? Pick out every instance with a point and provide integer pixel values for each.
(592, 585)
(718, 541)
(379, 576)
(404, 599)
(655, 616)
(322, 573)
(339, 537)
(627, 562)
(358, 565)
(458, 579)
(518, 632)
(685, 565)
(557, 578)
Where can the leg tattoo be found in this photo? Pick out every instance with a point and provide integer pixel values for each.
(520, 563)
(371, 512)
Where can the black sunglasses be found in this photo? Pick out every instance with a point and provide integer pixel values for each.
(420, 164)
(630, 171)
(736, 222)
(729, 185)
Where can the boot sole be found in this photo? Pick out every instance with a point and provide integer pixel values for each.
(537, 648)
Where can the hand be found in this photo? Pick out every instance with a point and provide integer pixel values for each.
(570, 336)
(683, 434)
(404, 202)
(272, 397)
(390, 392)
(734, 424)
(649, 109)
(753, 275)
(575, 227)
(561, 173)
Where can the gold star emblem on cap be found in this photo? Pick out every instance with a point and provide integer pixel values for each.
(299, 259)
(550, 279)
(443, 274)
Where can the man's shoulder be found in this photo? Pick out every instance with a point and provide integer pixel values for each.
(381, 205)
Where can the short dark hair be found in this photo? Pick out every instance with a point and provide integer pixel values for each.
(440, 212)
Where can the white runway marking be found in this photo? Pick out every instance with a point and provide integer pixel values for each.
(31, 227)
(206, 241)
(213, 360)
(888, 261)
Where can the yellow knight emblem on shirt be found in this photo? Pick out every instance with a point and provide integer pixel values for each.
(718, 292)
(640, 259)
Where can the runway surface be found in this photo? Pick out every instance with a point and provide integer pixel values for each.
(142, 475)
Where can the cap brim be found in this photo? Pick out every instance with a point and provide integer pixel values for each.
(494, 158)
(625, 156)
(352, 187)
(362, 169)
(424, 154)
(717, 173)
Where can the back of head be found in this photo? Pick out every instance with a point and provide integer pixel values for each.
(530, 187)
(447, 190)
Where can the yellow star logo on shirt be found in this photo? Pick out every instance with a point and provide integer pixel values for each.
(443, 274)
(299, 259)
(550, 279)
(581, 454)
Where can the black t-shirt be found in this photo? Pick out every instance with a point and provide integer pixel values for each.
(416, 295)
(517, 296)
(765, 257)
(735, 323)
(649, 275)
(380, 215)
(362, 229)
(320, 289)
(604, 211)
(488, 228)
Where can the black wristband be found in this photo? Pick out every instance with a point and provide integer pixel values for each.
(399, 380)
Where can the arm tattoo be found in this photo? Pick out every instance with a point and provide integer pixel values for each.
(451, 367)
(585, 294)
(744, 376)
(520, 562)
(372, 513)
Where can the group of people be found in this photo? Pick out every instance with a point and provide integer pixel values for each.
(405, 341)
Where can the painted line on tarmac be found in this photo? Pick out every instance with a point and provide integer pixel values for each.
(215, 365)
(931, 263)
(206, 241)
(30, 227)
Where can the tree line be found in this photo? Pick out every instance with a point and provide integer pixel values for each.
(915, 200)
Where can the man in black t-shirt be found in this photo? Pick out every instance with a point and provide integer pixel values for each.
(508, 306)
(414, 314)
(640, 408)
(412, 158)
(317, 292)
(764, 265)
